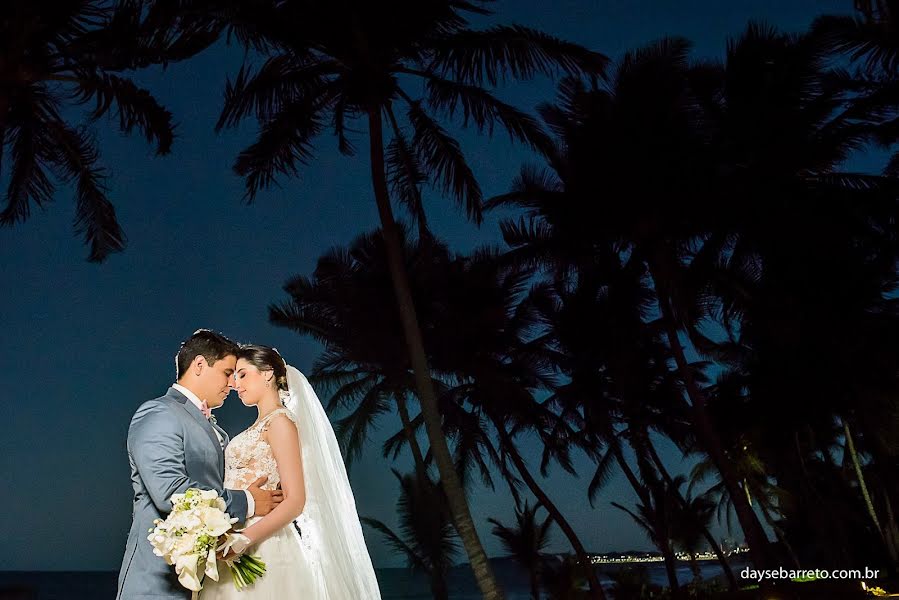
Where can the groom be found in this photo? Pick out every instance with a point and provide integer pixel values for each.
(174, 444)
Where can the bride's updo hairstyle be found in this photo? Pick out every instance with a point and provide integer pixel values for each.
(265, 359)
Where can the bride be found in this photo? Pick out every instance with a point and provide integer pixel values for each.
(312, 542)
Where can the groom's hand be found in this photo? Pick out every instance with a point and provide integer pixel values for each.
(265, 500)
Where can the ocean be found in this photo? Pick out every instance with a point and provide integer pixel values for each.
(396, 584)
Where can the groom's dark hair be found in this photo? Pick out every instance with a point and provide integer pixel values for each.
(209, 344)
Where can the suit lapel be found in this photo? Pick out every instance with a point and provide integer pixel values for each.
(195, 413)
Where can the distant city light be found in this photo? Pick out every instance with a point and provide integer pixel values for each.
(598, 559)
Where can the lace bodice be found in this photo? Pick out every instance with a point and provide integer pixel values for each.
(248, 457)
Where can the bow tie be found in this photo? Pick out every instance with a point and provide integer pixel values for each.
(204, 408)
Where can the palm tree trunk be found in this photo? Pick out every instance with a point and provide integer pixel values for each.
(671, 569)
(417, 455)
(552, 509)
(891, 533)
(781, 537)
(713, 544)
(869, 504)
(694, 567)
(853, 455)
(439, 590)
(535, 585)
(427, 396)
(702, 422)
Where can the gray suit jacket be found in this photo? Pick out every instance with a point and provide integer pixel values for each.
(171, 447)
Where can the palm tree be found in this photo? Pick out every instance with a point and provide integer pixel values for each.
(564, 577)
(742, 156)
(692, 521)
(744, 433)
(870, 38)
(58, 56)
(694, 512)
(336, 61)
(482, 338)
(632, 582)
(426, 537)
(781, 310)
(363, 366)
(476, 350)
(618, 382)
(597, 193)
(656, 521)
(525, 541)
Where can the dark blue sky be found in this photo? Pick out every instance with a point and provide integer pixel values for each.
(85, 344)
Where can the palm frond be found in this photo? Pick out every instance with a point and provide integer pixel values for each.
(395, 542)
(602, 475)
(334, 378)
(394, 444)
(351, 391)
(533, 189)
(95, 217)
(493, 54)
(134, 106)
(486, 110)
(406, 176)
(441, 154)
(341, 113)
(871, 42)
(639, 520)
(297, 318)
(353, 429)
(281, 81)
(284, 141)
(892, 168)
(32, 150)
(134, 36)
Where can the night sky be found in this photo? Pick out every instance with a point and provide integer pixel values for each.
(85, 344)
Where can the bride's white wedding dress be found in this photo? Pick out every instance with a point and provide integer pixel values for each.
(322, 555)
(291, 568)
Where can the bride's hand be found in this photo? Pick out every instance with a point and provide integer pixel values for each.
(231, 556)
(233, 545)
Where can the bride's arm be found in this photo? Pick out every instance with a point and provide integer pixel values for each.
(284, 439)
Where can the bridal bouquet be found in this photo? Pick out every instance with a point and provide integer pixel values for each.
(189, 537)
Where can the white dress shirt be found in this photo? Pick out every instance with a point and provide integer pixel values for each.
(251, 504)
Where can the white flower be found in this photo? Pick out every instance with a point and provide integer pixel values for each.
(187, 538)
(212, 565)
(186, 568)
(215, 521)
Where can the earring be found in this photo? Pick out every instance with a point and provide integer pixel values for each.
(268, 384)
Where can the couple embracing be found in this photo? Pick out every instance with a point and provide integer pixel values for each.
(283, 478)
